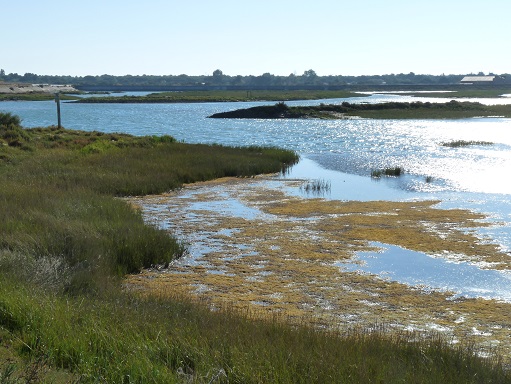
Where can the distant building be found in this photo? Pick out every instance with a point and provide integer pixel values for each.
(482, 80)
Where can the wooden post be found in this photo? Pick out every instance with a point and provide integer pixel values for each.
(57, 100)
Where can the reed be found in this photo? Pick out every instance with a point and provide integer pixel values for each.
(316, 187)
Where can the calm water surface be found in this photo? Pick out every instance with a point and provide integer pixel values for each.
(341, 151)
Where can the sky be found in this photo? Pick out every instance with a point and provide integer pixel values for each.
(248, 37)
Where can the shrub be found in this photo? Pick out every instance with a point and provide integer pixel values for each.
(11, 131)
(7, 119)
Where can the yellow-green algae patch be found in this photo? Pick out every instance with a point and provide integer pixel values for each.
(285, 260)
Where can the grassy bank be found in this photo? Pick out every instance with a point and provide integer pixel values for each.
(66, 242)
(448, 92)
(57, 188)
(33, 97)
(223, 96)
(396, 110)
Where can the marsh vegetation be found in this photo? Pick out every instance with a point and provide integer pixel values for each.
(68, 241)
(393, 110)
(223, 96)
(316, 187)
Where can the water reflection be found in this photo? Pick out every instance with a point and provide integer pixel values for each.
(421, 270)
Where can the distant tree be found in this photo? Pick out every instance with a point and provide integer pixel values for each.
(13, 77)
(310, 74)
(238, 80)
(264, 79)
(2, 73)
(30, 77)
(218, 77)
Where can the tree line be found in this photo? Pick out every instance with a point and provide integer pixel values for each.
(308, 79)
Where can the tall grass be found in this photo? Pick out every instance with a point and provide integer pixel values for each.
(127, 339)
(56, 200)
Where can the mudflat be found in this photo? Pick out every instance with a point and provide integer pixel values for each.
(256, 248)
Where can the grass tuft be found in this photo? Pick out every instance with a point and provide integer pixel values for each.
(316, 187)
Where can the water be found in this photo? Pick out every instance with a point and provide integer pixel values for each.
(342, 152)
(419, 269)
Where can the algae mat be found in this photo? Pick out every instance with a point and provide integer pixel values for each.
(256, 245)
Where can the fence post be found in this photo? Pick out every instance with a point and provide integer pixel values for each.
(57, 100)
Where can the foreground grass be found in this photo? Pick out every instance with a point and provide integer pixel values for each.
(395, 110)
(121, 338)
(66, 242)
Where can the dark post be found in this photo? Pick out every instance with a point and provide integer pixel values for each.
(57, 100)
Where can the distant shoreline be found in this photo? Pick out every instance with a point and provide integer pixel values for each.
(21, 89)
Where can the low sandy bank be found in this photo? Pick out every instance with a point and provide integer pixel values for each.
(17, 88)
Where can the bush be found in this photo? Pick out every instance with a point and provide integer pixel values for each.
(7, 119)
(11, 131)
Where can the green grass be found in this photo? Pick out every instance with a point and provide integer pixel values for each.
(66, 242)
(122, 338)
(57, 188)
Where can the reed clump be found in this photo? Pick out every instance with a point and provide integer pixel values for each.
(316, 187)
(393, 171)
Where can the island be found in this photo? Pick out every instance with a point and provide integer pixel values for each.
(394, 110)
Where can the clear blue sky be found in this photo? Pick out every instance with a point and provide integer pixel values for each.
(241, 37)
